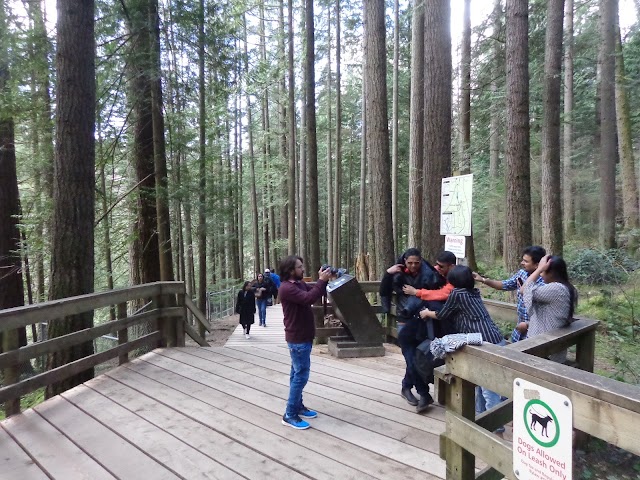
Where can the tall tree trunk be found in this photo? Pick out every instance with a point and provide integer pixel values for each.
(302, 189)
(11, 286)
(159, 153)
(337, 192)
(284, 158)
(416, 125)
(362, 260)
(552, 233)
(72, 260)
(567, 150)
(252, 163)
(608, 151)
(377, 133)
(329, 165)
(437, 119)
(517, 176)
(625, 141)
(202, 167)
(313, 262)
(497, 110)
(145, 256)
(291, 185)
(394, 122)
(465, 113)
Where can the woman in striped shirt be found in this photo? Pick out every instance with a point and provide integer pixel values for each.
(465, 309)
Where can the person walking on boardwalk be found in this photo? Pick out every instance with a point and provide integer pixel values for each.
(300, 329)
(262, 289)
(246, 307)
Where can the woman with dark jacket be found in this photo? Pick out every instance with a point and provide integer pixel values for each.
(246, 307)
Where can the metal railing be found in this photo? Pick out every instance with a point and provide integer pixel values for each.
(221, 303)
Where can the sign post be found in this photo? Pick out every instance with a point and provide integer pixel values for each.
(542, 433)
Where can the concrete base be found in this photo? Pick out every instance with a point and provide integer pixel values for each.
(346, 347)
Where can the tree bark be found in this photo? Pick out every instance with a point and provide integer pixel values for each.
(465, 115)
(552, 233)
(625, 140)
(437, 119)
(329, 185)
(11, 286)
(416, 125)
(497, 110)
(394, 122)
(567, 140)
(337, 192)
(608, 150)
(291, 185)
(252, 163)
(377, 133)
(72, 260)
(517, 176)
(159, 153)
(313, 262)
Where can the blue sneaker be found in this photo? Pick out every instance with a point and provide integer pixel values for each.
(295, 422)
(306, 413)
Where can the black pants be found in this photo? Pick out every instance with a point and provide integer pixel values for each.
(408, 341)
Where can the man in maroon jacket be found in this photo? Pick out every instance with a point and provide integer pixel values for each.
(300, 329)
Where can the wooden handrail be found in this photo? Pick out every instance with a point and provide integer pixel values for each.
(602, 407)
(28, 352)
(168, 316)
(13, 318)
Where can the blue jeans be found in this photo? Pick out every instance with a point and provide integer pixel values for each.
(299, 376)
(262, 310)
(487, 399)
(408, 344)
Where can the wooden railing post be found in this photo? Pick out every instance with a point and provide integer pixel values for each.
(460, 399)
(123, 335)
(180, 322)
(11, 374)
(585, 351)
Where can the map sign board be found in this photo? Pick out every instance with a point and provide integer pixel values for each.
(542, 433)
(455, 205)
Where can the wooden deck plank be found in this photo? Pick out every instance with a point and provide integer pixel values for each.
(333, 381)
(14, 461)
(227, 395)
(372, 440)
(251, 425)
(186, 461)
(250, 375)
(234, 442)
(121, 457)
(256, 387)
(55, 453)
(355, 375)
(360, 375)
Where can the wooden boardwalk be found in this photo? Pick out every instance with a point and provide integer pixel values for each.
(215, 413)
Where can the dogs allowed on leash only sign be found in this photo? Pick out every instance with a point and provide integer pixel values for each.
(542, 433)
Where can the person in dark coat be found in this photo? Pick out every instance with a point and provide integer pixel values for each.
(246, 307)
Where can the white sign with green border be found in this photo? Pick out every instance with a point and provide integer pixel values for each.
(542, 433)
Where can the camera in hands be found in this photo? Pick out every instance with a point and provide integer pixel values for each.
(335, 272)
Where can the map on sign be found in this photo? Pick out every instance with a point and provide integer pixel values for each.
(455, 205)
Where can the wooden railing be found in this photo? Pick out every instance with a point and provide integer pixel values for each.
(602, 407)
(166, 320)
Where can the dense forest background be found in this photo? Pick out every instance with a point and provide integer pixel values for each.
(203, 141)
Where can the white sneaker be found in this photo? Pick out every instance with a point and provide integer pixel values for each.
(246, 335)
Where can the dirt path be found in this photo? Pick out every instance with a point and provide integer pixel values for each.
(221, 330)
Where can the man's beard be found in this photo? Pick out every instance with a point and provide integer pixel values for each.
(298, 277)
